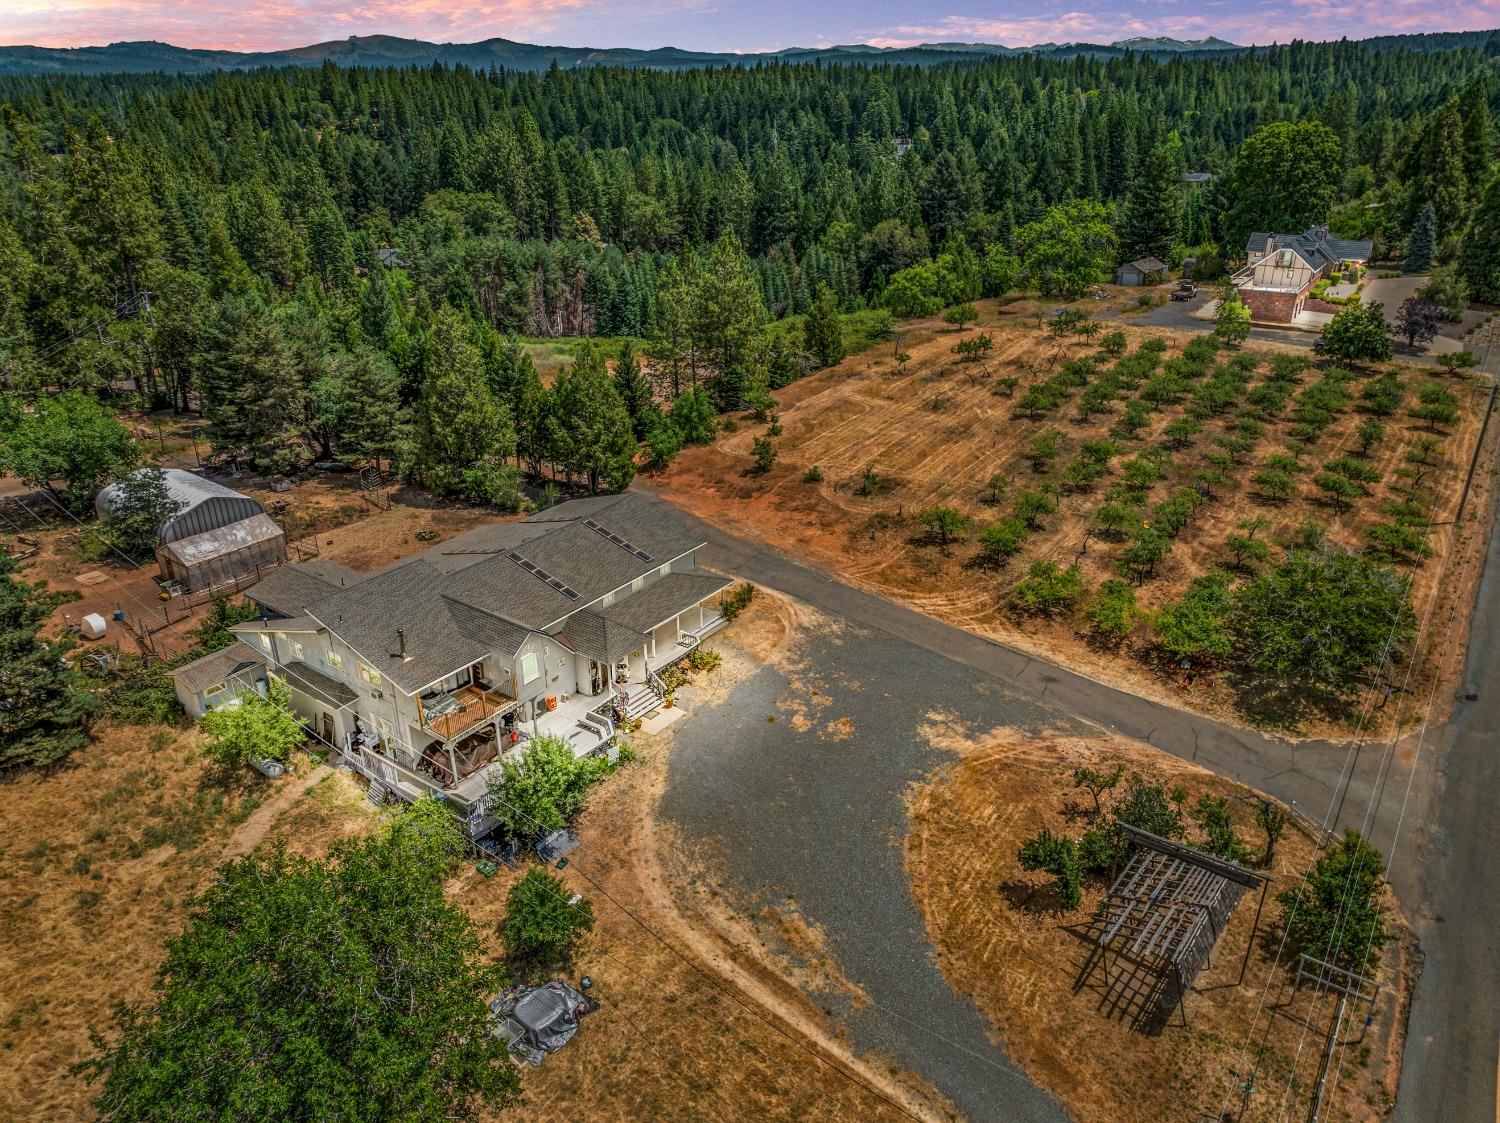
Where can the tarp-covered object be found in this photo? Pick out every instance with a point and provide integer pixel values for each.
(539, 1020)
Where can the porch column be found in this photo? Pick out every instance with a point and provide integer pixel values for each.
(701, 620)
(452, 764)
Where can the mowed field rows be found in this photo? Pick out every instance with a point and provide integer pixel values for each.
(1258, 434)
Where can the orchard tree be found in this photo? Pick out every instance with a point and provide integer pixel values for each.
(399, 1028)
(1319, 623)
(961, 315)
(946, 524)
(1232, 320)
(1046, 852)
(1113, 614)
(1195, 625)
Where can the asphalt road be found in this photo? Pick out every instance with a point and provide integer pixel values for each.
(1447, 862)
(1451, 1051)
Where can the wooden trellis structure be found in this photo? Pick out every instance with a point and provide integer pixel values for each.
(1158, 925)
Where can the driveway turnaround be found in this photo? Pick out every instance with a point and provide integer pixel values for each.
(821, 820)
(1447, 861)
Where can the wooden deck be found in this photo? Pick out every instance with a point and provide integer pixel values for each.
(475, 706)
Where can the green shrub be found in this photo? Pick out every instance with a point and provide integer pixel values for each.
(542, 920)
(737, 600)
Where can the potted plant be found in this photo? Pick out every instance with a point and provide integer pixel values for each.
(670, 700)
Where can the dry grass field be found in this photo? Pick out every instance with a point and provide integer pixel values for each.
(1000, 941)
(867, 445)
(100, 857)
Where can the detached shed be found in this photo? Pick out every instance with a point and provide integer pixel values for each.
(217, 535)
(1142, 271)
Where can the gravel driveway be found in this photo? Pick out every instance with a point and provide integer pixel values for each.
(819, 816)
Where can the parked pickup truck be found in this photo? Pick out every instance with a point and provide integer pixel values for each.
(1185, 290)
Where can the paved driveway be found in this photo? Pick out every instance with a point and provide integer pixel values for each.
(822, 821)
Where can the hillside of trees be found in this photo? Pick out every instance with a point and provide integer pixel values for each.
(335, 263)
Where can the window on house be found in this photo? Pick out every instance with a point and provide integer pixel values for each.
(265, 642)
(664, 570)
(214, 692)
(606, 600)
(369, 675)
(335, 659)
(296, 648)
(637, 583)
(530, 668)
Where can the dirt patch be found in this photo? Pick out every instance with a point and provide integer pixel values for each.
(934, 431)
(1000, 942)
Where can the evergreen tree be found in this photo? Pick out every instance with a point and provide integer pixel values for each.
(822, 329)
(460, 429)
(635, 391)
(597, 441)
(253, 397)
(1152, 223)
(1479, 258)
(1422, 244)
(43, 710)
(1445, 182)
(359, 404)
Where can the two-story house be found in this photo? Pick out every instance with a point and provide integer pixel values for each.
(424, 674)
(1281, 270)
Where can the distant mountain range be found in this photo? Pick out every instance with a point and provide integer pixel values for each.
(386, 50)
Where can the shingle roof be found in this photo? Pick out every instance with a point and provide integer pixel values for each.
(289, 589)
(1315, 246)
(217, 666)
(466, 597)
(322, 687)
(603, 640)
(407, 599)
(1146, 264)
(662, 600)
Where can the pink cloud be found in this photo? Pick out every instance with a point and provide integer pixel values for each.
(1255, 23)
(276, 24)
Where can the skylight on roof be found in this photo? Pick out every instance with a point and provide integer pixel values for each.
(617, 540)
(531, 567)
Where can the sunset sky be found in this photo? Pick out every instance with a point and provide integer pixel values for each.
(747, 25)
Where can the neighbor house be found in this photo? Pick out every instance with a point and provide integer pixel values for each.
(218, 536)
(1141, 271)
(1276, 283)
(424, 674)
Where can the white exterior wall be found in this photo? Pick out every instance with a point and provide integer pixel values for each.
(556, 667)
(1269, 274)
